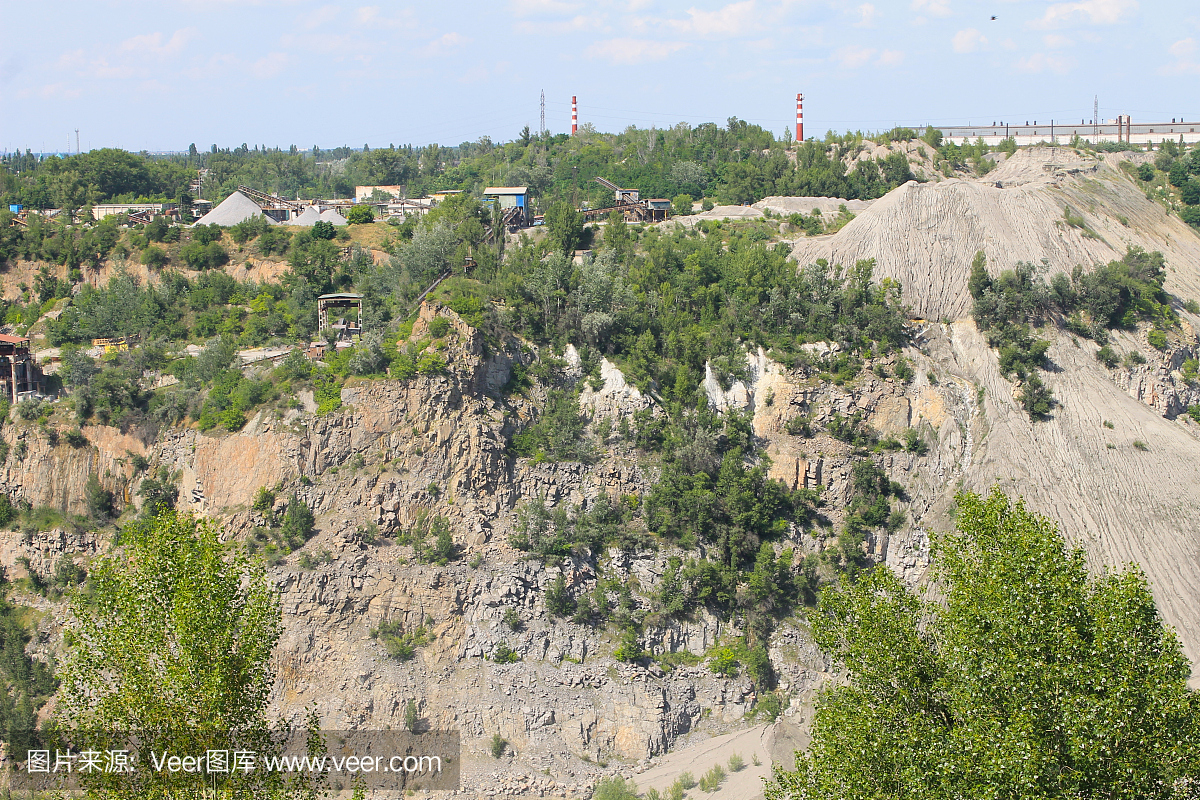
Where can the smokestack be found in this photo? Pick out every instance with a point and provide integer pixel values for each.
(799, 118)
(574, 116)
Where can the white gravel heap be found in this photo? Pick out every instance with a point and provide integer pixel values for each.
(232, 210)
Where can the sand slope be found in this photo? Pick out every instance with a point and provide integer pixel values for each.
(925, 235)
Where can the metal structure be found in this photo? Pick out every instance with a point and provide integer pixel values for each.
(513, 202)
(799, 118)
(272, 205)
(347, 326)
(20, 376)
(620, 196)
(630, 204)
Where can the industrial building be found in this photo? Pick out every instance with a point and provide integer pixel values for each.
(20, 376)
(513, 201)
(347, 311)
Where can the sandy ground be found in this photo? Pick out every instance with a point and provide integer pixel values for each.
(700, 755)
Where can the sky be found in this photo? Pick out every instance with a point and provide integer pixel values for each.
(160, 76)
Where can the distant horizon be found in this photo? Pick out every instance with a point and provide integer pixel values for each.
(303, 72)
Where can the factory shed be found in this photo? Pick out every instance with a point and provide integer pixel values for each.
(232, 210)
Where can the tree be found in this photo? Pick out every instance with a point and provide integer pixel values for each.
(323, 230)
(565, 227)
(173, 640)
(1029, 678)
(360, 215)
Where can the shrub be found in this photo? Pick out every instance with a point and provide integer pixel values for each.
(75, 438)
(155, 257)
(913, 442)
(559, 602)
(1157, 339)
(685, 780)
(512, 619)
(1107, 356)
(1036, 398)
(410, 710)
(360, 215)
(264, 500)
(439, 327)
(615, 788)
(323, 230)
(736, 763)
(504, 654)
(1194, 412)
(497, 745)
(711, 781)
(1138, 444)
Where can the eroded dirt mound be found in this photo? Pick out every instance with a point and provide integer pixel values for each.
(925, 235)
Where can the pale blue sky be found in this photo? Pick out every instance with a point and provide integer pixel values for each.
(159, 76)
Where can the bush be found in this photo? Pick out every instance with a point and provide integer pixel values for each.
(323, 230)
(504, 654)
(615, 788)
(711, 780)
(559, 602)
(1145, 172)
(439, 327)
(75, 438)
(1036, 398)
(1138, 444)
(498, 745)
(360, 215)
(1157, 339)
(512, 619)
(913, 442)
(736, 763)
(1108, 357)
(155, 257)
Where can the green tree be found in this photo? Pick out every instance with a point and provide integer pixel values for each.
(360, 215)
(173, 640)
(323, 230)
(1029, 678)
(565, 227)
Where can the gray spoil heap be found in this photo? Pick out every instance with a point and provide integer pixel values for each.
(232, 210)
(329, 215)
(310, 216)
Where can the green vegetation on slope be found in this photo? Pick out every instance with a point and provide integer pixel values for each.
(1028, 677)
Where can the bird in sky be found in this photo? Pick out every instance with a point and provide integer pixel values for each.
(993, 18)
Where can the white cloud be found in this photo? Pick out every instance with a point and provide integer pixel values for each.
(1184, 52)
(1041, 62)
(633, 51)
(968, 41)
(554, 27)
(446, 43)
(320, 17)
(153, 44)
(269, 65)
(1056, 41)
(866, 16)
(543, 8)
(853, 56)
(734, 19)
(934, 8)
(1093, 12)
(891, 58)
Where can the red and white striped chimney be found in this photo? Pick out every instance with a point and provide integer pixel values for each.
(799, 118)
(574, 116)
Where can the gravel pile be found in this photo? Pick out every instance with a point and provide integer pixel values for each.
(232, 210)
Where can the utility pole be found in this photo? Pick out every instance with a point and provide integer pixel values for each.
(542, 129)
